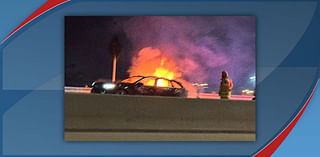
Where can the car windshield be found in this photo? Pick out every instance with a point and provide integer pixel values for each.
(131, 79)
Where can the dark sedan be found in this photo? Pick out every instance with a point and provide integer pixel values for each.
(148, 85)
(102, 86)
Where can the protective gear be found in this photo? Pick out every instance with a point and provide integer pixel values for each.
(225, 86)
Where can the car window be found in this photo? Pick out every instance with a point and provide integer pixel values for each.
(148, 81)
(175, 84)
(163, 83)
(131, 79)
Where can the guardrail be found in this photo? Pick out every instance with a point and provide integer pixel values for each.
(201, 95)
(77, 89)
(123, 116)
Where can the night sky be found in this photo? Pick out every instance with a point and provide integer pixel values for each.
(204, 46)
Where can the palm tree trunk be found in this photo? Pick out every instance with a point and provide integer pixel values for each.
(114, 69)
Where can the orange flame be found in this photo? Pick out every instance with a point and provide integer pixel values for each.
(153, 62)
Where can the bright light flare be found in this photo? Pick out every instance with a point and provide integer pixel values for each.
(247, 91)
(200, 84)
(252, 78)
(108, 86)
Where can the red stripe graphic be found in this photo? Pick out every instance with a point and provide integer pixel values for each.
(271, 147)
(50, 4)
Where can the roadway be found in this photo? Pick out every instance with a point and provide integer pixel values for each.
(86, 90)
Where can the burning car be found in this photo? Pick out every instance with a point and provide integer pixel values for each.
(146, 85)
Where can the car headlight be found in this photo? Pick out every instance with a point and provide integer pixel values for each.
(108, 86)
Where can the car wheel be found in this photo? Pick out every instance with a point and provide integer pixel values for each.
(93, 90)
(121, 92)
(103, 92)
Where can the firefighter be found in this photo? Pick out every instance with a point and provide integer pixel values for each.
(225, 86)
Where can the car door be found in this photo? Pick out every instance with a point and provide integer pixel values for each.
(177, 89)
(163, 87)
(146, 86)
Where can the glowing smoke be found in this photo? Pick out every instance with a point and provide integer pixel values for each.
(199, 47)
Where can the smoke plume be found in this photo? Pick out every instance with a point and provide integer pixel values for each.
(196, 48)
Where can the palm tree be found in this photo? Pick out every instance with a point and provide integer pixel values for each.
(115, 48)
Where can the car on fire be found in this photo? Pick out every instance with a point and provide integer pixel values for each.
(145, 85)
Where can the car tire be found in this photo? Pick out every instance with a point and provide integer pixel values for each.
(121, 92)
(97, 91)
(93, 90)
